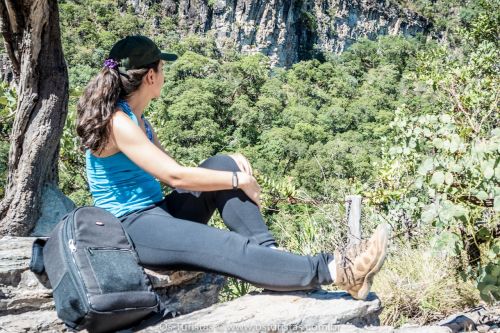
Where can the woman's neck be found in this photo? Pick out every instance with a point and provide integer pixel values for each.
(137, 104)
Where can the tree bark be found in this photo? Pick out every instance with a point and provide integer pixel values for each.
(32, 39)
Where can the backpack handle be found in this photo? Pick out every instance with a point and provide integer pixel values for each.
(36, 264)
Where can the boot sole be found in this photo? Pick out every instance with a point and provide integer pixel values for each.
(362, 293)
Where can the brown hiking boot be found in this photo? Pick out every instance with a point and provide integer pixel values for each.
(357, 264)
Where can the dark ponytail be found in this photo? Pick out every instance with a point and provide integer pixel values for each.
(98, 103)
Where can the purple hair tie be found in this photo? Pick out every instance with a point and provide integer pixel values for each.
(110, 63)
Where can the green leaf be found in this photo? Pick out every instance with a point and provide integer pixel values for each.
(438, 143)
(483, 234)
(488, 172)
(448, 178)
(496, 271)
(482, 195)
(426, 166)
(490, 293)
(437, 178)
(455, 167)
(496, 203)
(455, 143)
(448, 242)
(479, 147)
(429, 214)
(445, 118)
(460, 211)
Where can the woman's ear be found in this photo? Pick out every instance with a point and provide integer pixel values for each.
(151, 76)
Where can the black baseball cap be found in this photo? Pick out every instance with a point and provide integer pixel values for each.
(136, 51)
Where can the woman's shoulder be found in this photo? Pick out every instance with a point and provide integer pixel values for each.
(120, 114)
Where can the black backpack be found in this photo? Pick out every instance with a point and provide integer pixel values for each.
(96, 278)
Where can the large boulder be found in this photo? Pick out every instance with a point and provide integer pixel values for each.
(54, 206)
(26, 303)
(279, 311)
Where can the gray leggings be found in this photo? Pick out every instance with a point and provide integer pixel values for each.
(173, 233)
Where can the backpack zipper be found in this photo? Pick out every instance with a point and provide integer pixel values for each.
(105, 248)
(72, 247)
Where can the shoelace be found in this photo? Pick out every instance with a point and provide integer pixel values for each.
(348, 252)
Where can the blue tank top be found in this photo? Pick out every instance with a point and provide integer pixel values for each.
(117, 184)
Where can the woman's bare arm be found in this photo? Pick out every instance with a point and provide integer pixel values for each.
(132, 141)
(240, 160)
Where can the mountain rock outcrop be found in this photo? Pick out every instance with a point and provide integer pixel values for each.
(289, 30)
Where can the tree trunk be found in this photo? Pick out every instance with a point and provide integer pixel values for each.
(32, 39)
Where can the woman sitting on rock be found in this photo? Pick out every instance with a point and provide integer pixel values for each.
(125, 163)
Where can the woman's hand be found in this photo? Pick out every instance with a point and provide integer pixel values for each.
(249, 185)
(246, 180)
(242, 162)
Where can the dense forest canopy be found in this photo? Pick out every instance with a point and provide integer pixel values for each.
(409, 123)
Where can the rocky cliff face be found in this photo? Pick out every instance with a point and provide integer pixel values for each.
(290, 30)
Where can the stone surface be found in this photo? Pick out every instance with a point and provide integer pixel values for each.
(284, 310)
(165, 278)
(54, 206)
(21, 290)
(35, 321)
(289, 31)
(317, 311)
(188, 296)
(479, 319)
(26, 303)
(423, 329)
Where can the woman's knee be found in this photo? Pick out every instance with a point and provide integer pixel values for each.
(220, 162)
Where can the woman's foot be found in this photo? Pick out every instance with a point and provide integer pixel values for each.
(357, 264)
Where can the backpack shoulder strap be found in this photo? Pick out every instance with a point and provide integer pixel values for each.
(36, 264)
